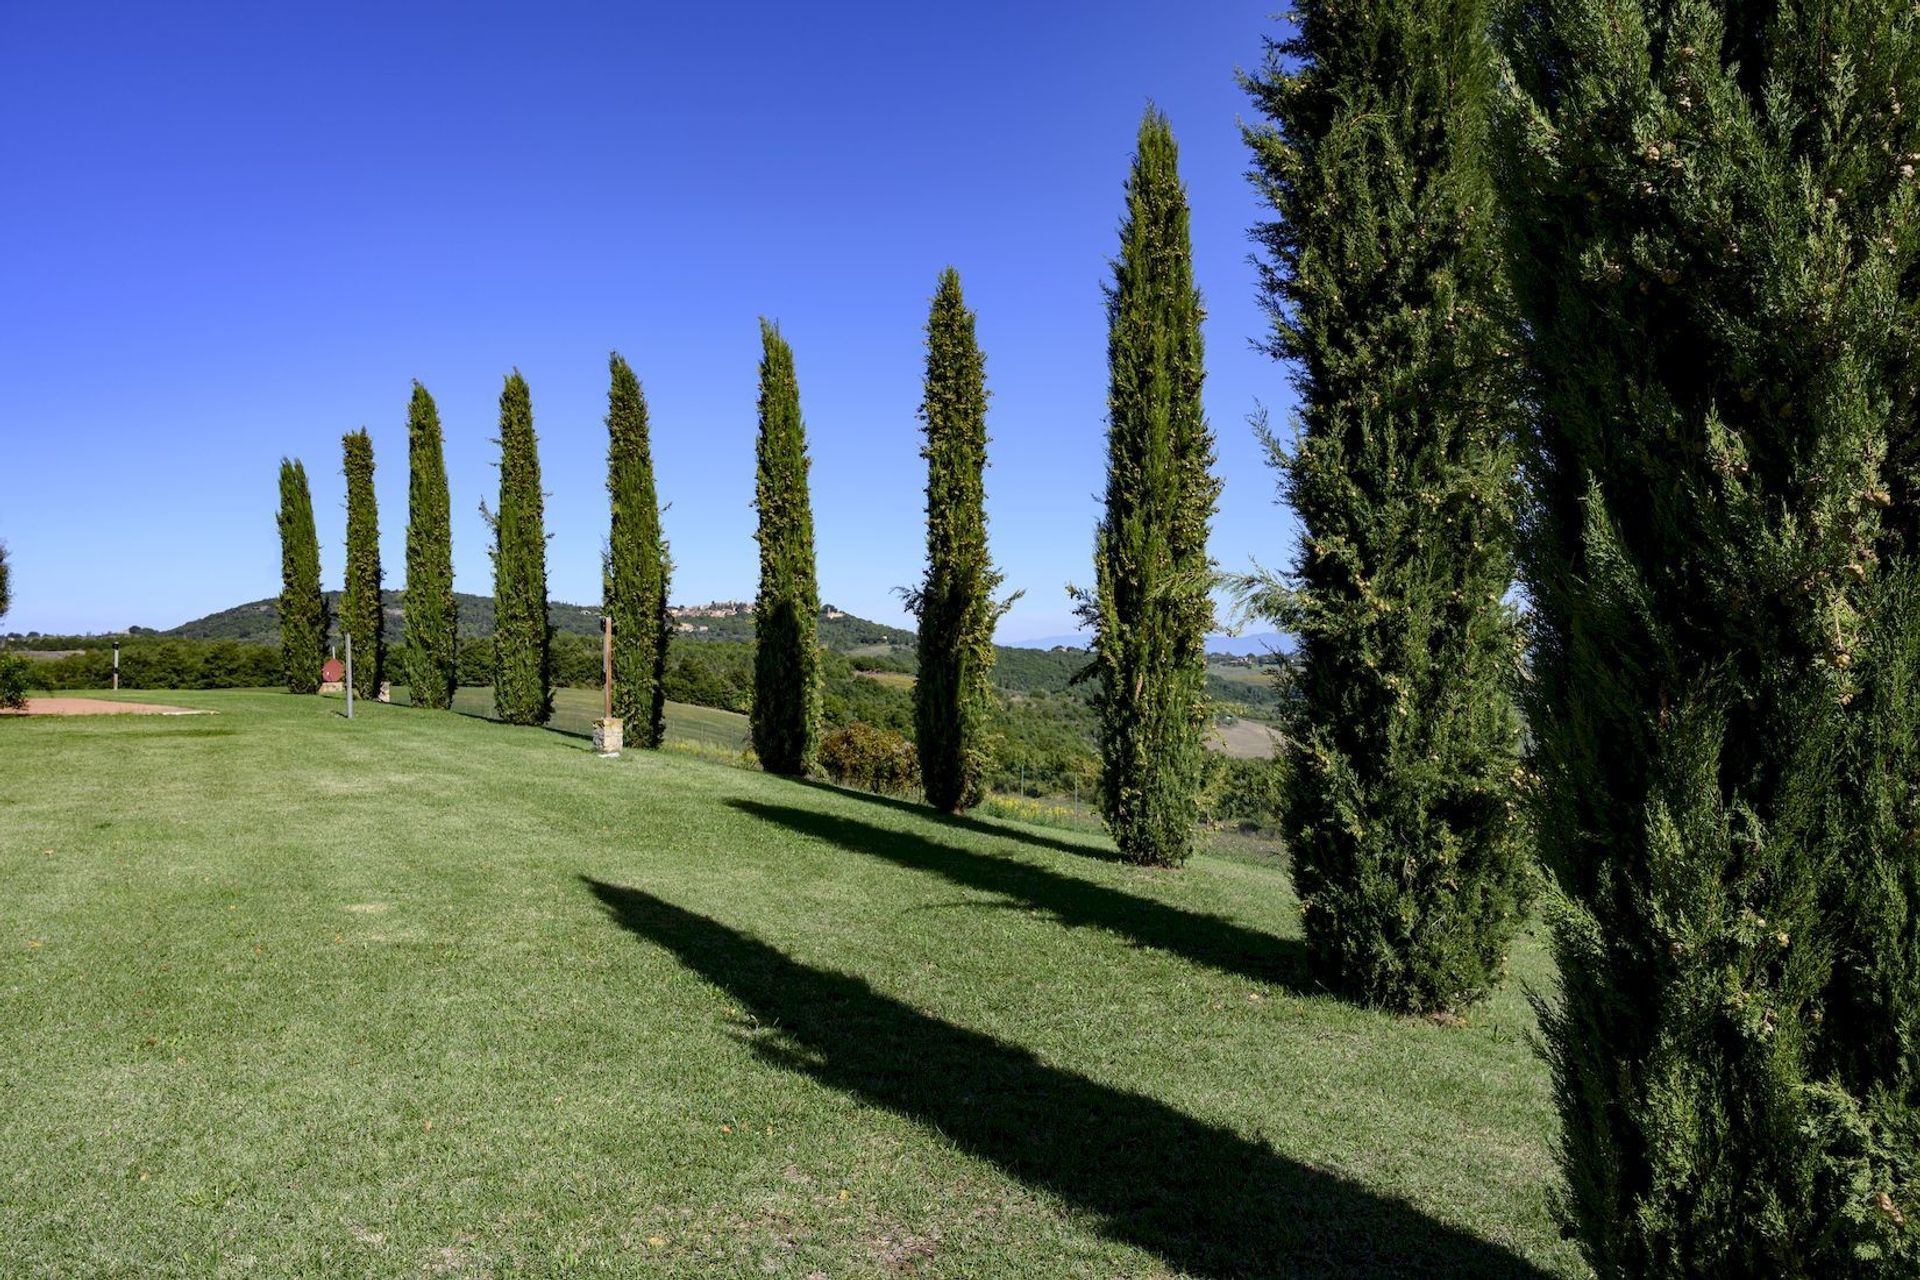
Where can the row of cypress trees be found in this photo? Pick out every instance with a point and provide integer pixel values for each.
(1671, 274)
(523, 671)
(1150, 608)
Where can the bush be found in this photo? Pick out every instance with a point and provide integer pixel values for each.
(877, 759)
(1243, 791)
(14, 671)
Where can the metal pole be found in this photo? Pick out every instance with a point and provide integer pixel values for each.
(349, 675)
(606, 667)
(116, 666)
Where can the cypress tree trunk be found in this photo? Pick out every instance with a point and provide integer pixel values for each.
(431, 659)
(361, 615)
(303, 610)
(637, 565)
(953, 693)
(1151, 610)
(1714, 212)
(786, 613)
(1383, 278)
(522, 636)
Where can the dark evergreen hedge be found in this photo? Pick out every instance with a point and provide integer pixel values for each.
(1151, 609)
(786, 613)
(1384, 280)
(953, 695)
(430, 659)
(638, 571)
(522, 635)
(361, 614)
(1716, 243)
(303, 609)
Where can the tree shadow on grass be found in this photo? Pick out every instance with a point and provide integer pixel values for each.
(1204, 939)
(1090, 847)
(1204, 1199)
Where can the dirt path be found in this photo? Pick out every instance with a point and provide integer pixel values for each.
(99, 707)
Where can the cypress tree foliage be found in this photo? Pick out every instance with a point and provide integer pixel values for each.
(361, 615)
(637, 565)
(303, 609)
(1715, 237)
(786, 612)
(522, 636)
(431, 659)
(1383, 280)
(6, 582)
(953, 696)
(1151, 609)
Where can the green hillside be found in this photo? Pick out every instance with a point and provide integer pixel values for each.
(420, 994)
(258, 622)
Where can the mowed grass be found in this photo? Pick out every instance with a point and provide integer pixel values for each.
(576, 710)
(425, 995)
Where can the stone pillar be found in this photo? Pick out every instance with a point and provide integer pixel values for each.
(607, 735)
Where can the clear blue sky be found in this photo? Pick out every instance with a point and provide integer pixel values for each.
(235, 232)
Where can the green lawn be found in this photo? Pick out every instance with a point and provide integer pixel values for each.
(425, 995)
(575, 710)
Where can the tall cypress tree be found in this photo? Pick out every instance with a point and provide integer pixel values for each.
(1151, 609)
(361, 614)
(522, 636)
(637, 565)
(1384, 282)
(786, 613)
(303, 609)
(431, 658)
(6, 582)
(1715, 227)
(953, 694)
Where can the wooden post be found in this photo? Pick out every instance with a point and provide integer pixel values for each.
(606, 666)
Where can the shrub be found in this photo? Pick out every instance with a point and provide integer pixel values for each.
(863, 756)
(14, 672)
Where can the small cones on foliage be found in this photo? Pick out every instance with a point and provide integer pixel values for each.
(1389, 298)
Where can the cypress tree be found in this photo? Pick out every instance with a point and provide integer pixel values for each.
(786, 612)
(953, 694)
(637, 565)
(303, 609)
(522, 636)
(361, 614)
(6, 583)
(1715, 235)
(1383, 280)
(1151, 608)
(431, 659)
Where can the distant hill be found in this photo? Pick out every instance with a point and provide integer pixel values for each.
(258, 622)
(1025, 668)
(1257, 645)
